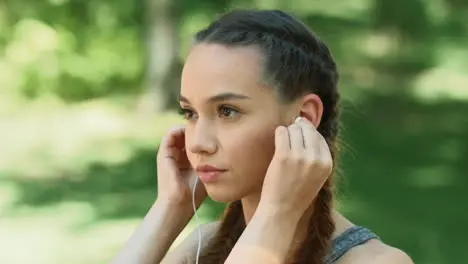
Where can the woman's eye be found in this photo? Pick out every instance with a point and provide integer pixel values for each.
(187, 113)
(227, 112)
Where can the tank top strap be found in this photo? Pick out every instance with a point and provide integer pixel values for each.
(352, 237)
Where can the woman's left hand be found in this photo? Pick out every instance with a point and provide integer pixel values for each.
(300, 166)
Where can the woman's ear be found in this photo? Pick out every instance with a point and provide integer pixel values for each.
(311, 108)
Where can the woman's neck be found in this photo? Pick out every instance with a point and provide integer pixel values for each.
(250, 204)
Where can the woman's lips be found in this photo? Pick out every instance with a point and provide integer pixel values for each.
(208, 173)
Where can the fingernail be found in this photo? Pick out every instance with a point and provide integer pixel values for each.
(280, 130)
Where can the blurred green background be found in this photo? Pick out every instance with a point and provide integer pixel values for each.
(87, 88)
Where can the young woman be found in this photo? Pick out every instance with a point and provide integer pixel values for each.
(259, 92)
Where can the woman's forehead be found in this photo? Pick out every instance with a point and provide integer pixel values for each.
(214, 69)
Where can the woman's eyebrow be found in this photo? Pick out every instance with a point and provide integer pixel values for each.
(219, 97)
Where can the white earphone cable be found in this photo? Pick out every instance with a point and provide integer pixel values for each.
(197, 220)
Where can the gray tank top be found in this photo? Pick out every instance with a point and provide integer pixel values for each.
(352, 237)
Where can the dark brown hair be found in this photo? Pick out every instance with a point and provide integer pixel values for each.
(296, 62)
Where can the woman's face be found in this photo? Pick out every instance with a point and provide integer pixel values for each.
(231, 118)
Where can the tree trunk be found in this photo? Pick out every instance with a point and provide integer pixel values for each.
(163, 67)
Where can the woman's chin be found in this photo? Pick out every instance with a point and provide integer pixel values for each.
(222, 196)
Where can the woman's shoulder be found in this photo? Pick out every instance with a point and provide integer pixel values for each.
(356, 244)
(376, 252)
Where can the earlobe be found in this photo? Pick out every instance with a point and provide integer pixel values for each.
(311, 108)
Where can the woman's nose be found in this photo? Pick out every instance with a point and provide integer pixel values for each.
(202, 140)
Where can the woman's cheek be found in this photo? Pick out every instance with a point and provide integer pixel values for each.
(255, 145)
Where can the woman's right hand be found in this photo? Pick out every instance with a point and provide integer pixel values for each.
(299, 168)
(176, 177)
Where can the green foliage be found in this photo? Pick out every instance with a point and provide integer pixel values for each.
(78, 50)
(75, 50)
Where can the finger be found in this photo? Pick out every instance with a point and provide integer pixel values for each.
(281, 139)
(325, 152)
(174, 138)
(295, 138)
(310, 134)
(183, 160)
